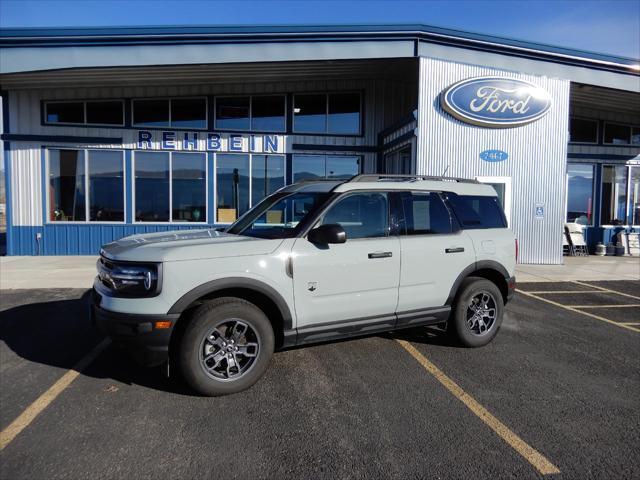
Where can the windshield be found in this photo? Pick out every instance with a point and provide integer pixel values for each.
(280, 215)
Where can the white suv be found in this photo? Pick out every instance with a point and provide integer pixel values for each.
(315, 261)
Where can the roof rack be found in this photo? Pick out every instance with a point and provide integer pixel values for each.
(407, 178)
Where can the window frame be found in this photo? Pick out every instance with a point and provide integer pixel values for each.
(250, 96)
(84, 123)
(593, 189)
(598, 132)
(626, 201)
(250, 187)
(86, 187)
(628, 125)
(360, 94)
(170, 126)
(170, 205)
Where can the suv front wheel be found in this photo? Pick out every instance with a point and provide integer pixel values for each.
(477, 313)
(226, 346)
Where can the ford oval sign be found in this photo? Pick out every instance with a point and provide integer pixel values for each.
(494, 156)
(496, 102)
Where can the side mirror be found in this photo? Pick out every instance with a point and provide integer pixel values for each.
(325, 234)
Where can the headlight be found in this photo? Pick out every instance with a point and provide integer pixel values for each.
(125, 279)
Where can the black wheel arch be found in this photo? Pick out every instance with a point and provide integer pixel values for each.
(488, 269)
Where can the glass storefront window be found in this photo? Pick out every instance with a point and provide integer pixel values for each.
(105, 112)
(310, 113)
(232, 113)
(617, 134)
(267, 176)
(268, 113)
(614, 195)
(189, 187)
(106, 186)
(334, 113)
(232, 186)
(344, 113)
(151, 186)
(151, 113)
(580, 193)
(314, 167)
(65, 112)
(189, 113)
(634, 196)
(635, 136)
(582, 130)
(67, 197)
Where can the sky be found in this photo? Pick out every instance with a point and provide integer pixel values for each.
(606, 26)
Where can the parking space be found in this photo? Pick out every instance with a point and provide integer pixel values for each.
(560, 381)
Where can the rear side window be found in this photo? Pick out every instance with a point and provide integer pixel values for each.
(475, 211)
(424, 213)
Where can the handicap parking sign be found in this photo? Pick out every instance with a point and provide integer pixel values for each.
(539, 211)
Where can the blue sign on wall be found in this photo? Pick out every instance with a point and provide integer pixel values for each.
(494, 156)
(496, 102)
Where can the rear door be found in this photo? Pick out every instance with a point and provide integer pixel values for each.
(434, 253)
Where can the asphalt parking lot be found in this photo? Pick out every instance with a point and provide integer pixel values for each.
(562, 376)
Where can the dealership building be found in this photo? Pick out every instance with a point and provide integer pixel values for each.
(113, 132)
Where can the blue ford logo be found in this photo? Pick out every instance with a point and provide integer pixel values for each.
(494, 156)
(496, 101)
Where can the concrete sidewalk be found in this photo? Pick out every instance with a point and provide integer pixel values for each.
(79, 271)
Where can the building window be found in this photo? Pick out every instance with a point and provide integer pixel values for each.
(243, 181)
(618, 134)
(582, 130)
(90, 112)
(614, 195)
(634, 195)
(260, 113)
(313, 167)
(189, 113)
(333, 113)
(170, 187)
(580, 193)
(86, 185)
(106, 186)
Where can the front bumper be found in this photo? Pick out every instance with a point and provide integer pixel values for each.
(148, 344)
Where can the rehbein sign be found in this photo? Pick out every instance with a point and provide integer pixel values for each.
(496, 102)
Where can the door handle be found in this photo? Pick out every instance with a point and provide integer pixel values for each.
(380, 255)
(454, 250)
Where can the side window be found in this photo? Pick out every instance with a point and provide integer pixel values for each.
(475, 211)
(425, 213)
(362, 215)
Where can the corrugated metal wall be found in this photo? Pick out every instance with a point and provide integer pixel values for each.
(537, 154)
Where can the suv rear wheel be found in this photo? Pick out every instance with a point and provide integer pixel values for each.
(226, 347)
(477, 312)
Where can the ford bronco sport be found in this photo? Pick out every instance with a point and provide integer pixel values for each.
(315, 261)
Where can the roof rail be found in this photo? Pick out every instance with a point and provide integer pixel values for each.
(407, 178)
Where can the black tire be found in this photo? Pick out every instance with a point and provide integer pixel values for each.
(196, 345)
(458, 325)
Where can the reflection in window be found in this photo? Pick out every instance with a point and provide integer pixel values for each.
(634, 196)
(314, 167)
(232, 186)
(344, 113)
(580, 193)
(151, 113)
(189, 112)
(67, 186)
(582, 130)
(310, 113)
(362, 215)
(189, 187)
(267, 113)
(267, 176)
(614, 194)
(152, 186)
(65, 112)
(106, 187)
(232, 113)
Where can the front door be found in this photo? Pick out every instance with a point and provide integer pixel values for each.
(353, 285)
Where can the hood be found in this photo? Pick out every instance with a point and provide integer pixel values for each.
(186, 245)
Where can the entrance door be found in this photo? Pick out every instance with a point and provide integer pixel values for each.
(348, 284)
(502, 186)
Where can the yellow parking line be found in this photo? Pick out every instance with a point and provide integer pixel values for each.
(543, 292)
(43, 401)
(630, 323)
(574, 309)
(605, 289)
(606, 306)
(535, 458)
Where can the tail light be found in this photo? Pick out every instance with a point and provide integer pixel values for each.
(516, 250)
